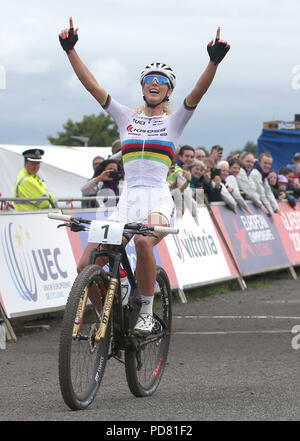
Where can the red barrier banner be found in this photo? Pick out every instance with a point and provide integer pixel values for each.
(288, 226)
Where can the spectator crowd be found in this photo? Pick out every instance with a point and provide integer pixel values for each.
(194, 177)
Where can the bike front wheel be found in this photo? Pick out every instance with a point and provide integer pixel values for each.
(81, 359)
(145, 364)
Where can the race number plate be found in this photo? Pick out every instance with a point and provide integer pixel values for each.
(103, 231)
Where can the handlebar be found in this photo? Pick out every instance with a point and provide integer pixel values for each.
(62, 217)
(129, 226)
(67, 218)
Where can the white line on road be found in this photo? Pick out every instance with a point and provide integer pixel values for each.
(279, 331)
(279, 317)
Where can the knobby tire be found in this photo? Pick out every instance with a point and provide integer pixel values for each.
(82, 361)
(143, 377)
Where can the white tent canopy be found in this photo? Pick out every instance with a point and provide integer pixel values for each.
(64, 169)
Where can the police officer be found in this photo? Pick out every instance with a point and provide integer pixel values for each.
(29, 184)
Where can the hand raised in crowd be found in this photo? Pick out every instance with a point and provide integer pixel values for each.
(217, 180)
(104, 176)
(187, 174)
(207, 175)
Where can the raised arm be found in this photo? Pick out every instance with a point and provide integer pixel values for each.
(68, 38)
(217, 51)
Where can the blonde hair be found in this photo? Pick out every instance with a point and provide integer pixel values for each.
(167, 108)
(197, 162)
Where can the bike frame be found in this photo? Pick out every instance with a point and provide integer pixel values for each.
(123, 320)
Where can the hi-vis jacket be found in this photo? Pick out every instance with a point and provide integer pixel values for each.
(27, 186)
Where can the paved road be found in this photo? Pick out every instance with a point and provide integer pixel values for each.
(231, 358)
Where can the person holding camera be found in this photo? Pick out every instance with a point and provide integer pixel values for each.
(106, 181)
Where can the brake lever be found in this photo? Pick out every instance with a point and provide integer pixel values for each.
(145, 232)
(74, 226)
(148, 233)
(63, 225)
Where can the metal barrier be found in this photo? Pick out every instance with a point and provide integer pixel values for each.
(64, 202)
(4, 200)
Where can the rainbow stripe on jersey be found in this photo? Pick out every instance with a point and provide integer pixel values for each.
(153, 150)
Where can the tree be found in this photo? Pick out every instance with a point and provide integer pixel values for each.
(204, 149)
(251, 147)
(101, 131)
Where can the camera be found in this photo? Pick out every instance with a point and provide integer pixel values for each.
(215, 172)
(116, 175)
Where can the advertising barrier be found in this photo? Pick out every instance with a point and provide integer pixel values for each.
(253, 239)
(288, 226)
(196, 253)
(38, 261)
(37, 264)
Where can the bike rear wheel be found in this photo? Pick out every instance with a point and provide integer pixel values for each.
(145, 366)
(81, 360)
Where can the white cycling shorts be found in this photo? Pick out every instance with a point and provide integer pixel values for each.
(137, 203)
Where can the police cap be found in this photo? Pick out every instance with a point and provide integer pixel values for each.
(34, 155)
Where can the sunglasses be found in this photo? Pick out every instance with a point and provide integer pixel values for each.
(159, 78)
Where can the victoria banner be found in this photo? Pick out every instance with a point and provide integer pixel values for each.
(37, 264)
(253, 239)
(196, 253)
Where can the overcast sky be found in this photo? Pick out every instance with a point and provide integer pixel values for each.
(117, 38)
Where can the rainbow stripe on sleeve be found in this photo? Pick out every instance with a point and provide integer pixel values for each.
(189, 106)
(106, 102)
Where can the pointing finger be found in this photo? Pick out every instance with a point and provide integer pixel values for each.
(218, 33)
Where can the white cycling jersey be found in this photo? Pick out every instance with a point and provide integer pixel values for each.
(148, 143)
(148, 147)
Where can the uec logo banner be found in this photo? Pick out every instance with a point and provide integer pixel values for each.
(37, 265)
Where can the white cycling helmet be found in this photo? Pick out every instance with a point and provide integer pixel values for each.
(161, 68)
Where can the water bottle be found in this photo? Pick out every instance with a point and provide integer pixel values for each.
(124, 286)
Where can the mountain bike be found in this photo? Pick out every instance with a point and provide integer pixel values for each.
(96, 326)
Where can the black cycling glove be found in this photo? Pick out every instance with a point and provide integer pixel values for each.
(217, 51)
(68, 43)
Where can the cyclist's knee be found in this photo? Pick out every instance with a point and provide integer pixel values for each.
(85, 258)
(143, 245)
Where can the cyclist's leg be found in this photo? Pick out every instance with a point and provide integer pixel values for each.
(146, 272)
(101, 261)
(85, 258)
(145, 257)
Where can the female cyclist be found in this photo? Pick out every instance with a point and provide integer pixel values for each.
(149, 142)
